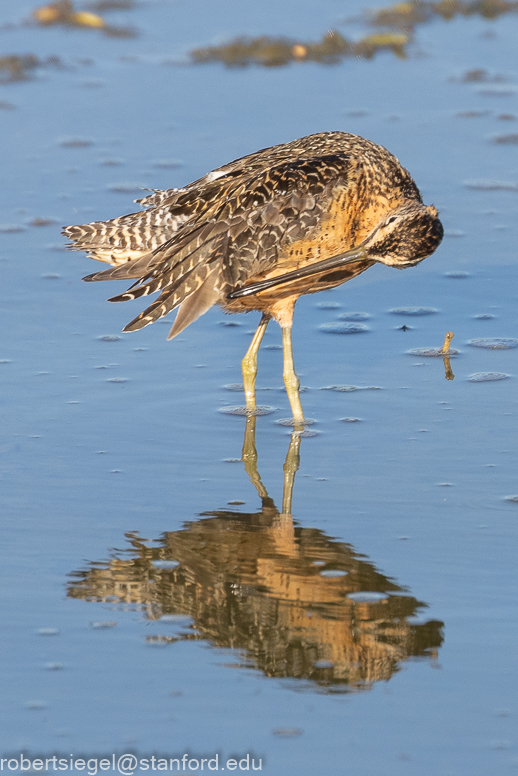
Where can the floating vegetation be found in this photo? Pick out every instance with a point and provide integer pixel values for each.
(15, 67)
(63, 12)
(42, 221)
(407, 16)
(271, 51)
(396, 24)
(481, 76)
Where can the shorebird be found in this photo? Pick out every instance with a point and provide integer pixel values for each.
(261, 231)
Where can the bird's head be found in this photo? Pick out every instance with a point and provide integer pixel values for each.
(405, 236)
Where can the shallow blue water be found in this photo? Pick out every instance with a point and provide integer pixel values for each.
(105, 438)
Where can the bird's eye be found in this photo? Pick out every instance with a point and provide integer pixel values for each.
(391, 220)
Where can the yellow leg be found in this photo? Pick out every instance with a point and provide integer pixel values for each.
(249, 457)
(291, 467)
(249, 364)
(291, 381)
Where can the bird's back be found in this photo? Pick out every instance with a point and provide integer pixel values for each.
(264, 213)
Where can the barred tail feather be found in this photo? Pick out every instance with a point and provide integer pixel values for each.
(131, 270)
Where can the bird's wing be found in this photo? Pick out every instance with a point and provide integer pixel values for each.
(239, 224)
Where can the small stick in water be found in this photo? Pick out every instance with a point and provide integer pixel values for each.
(448, 338)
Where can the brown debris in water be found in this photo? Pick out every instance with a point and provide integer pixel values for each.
(64, 12)
(270, 51)
(407, 16)
(15, 67)
(396, 24)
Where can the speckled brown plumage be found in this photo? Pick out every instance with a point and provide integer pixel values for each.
(266, 216)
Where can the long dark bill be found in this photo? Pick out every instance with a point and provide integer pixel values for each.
(355, 254)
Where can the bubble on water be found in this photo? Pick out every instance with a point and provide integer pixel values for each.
(323, 664)
(109, 338)
(319, 563)
(36, 705)
(231, 460)
(497, 91)
(511, 139)
(167, 164)
(350, 388)
(47, 631)
(484, 317)
(328, 305)
(271, 347)
(350, 420)
(332, 573)
(483, 184)
(54, 666)
(354, 316)
(431, 352)
(291, 422)
(344, 328)
(166, 565)
(246, 412)
(512, 499)
(487, 377)
(233, 387)
(287, 732)
(457, 275)
(230, 324)
(117, 380)
(75, 142)
(11, 228)
(103, 624)
(472, 114)
(413, 311)
(454, 233)
(364, 597)
(126, 188)
(494, 343)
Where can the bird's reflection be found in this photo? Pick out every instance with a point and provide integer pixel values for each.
(294, 601)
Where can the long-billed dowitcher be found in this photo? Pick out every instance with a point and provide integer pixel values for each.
(263, 230)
